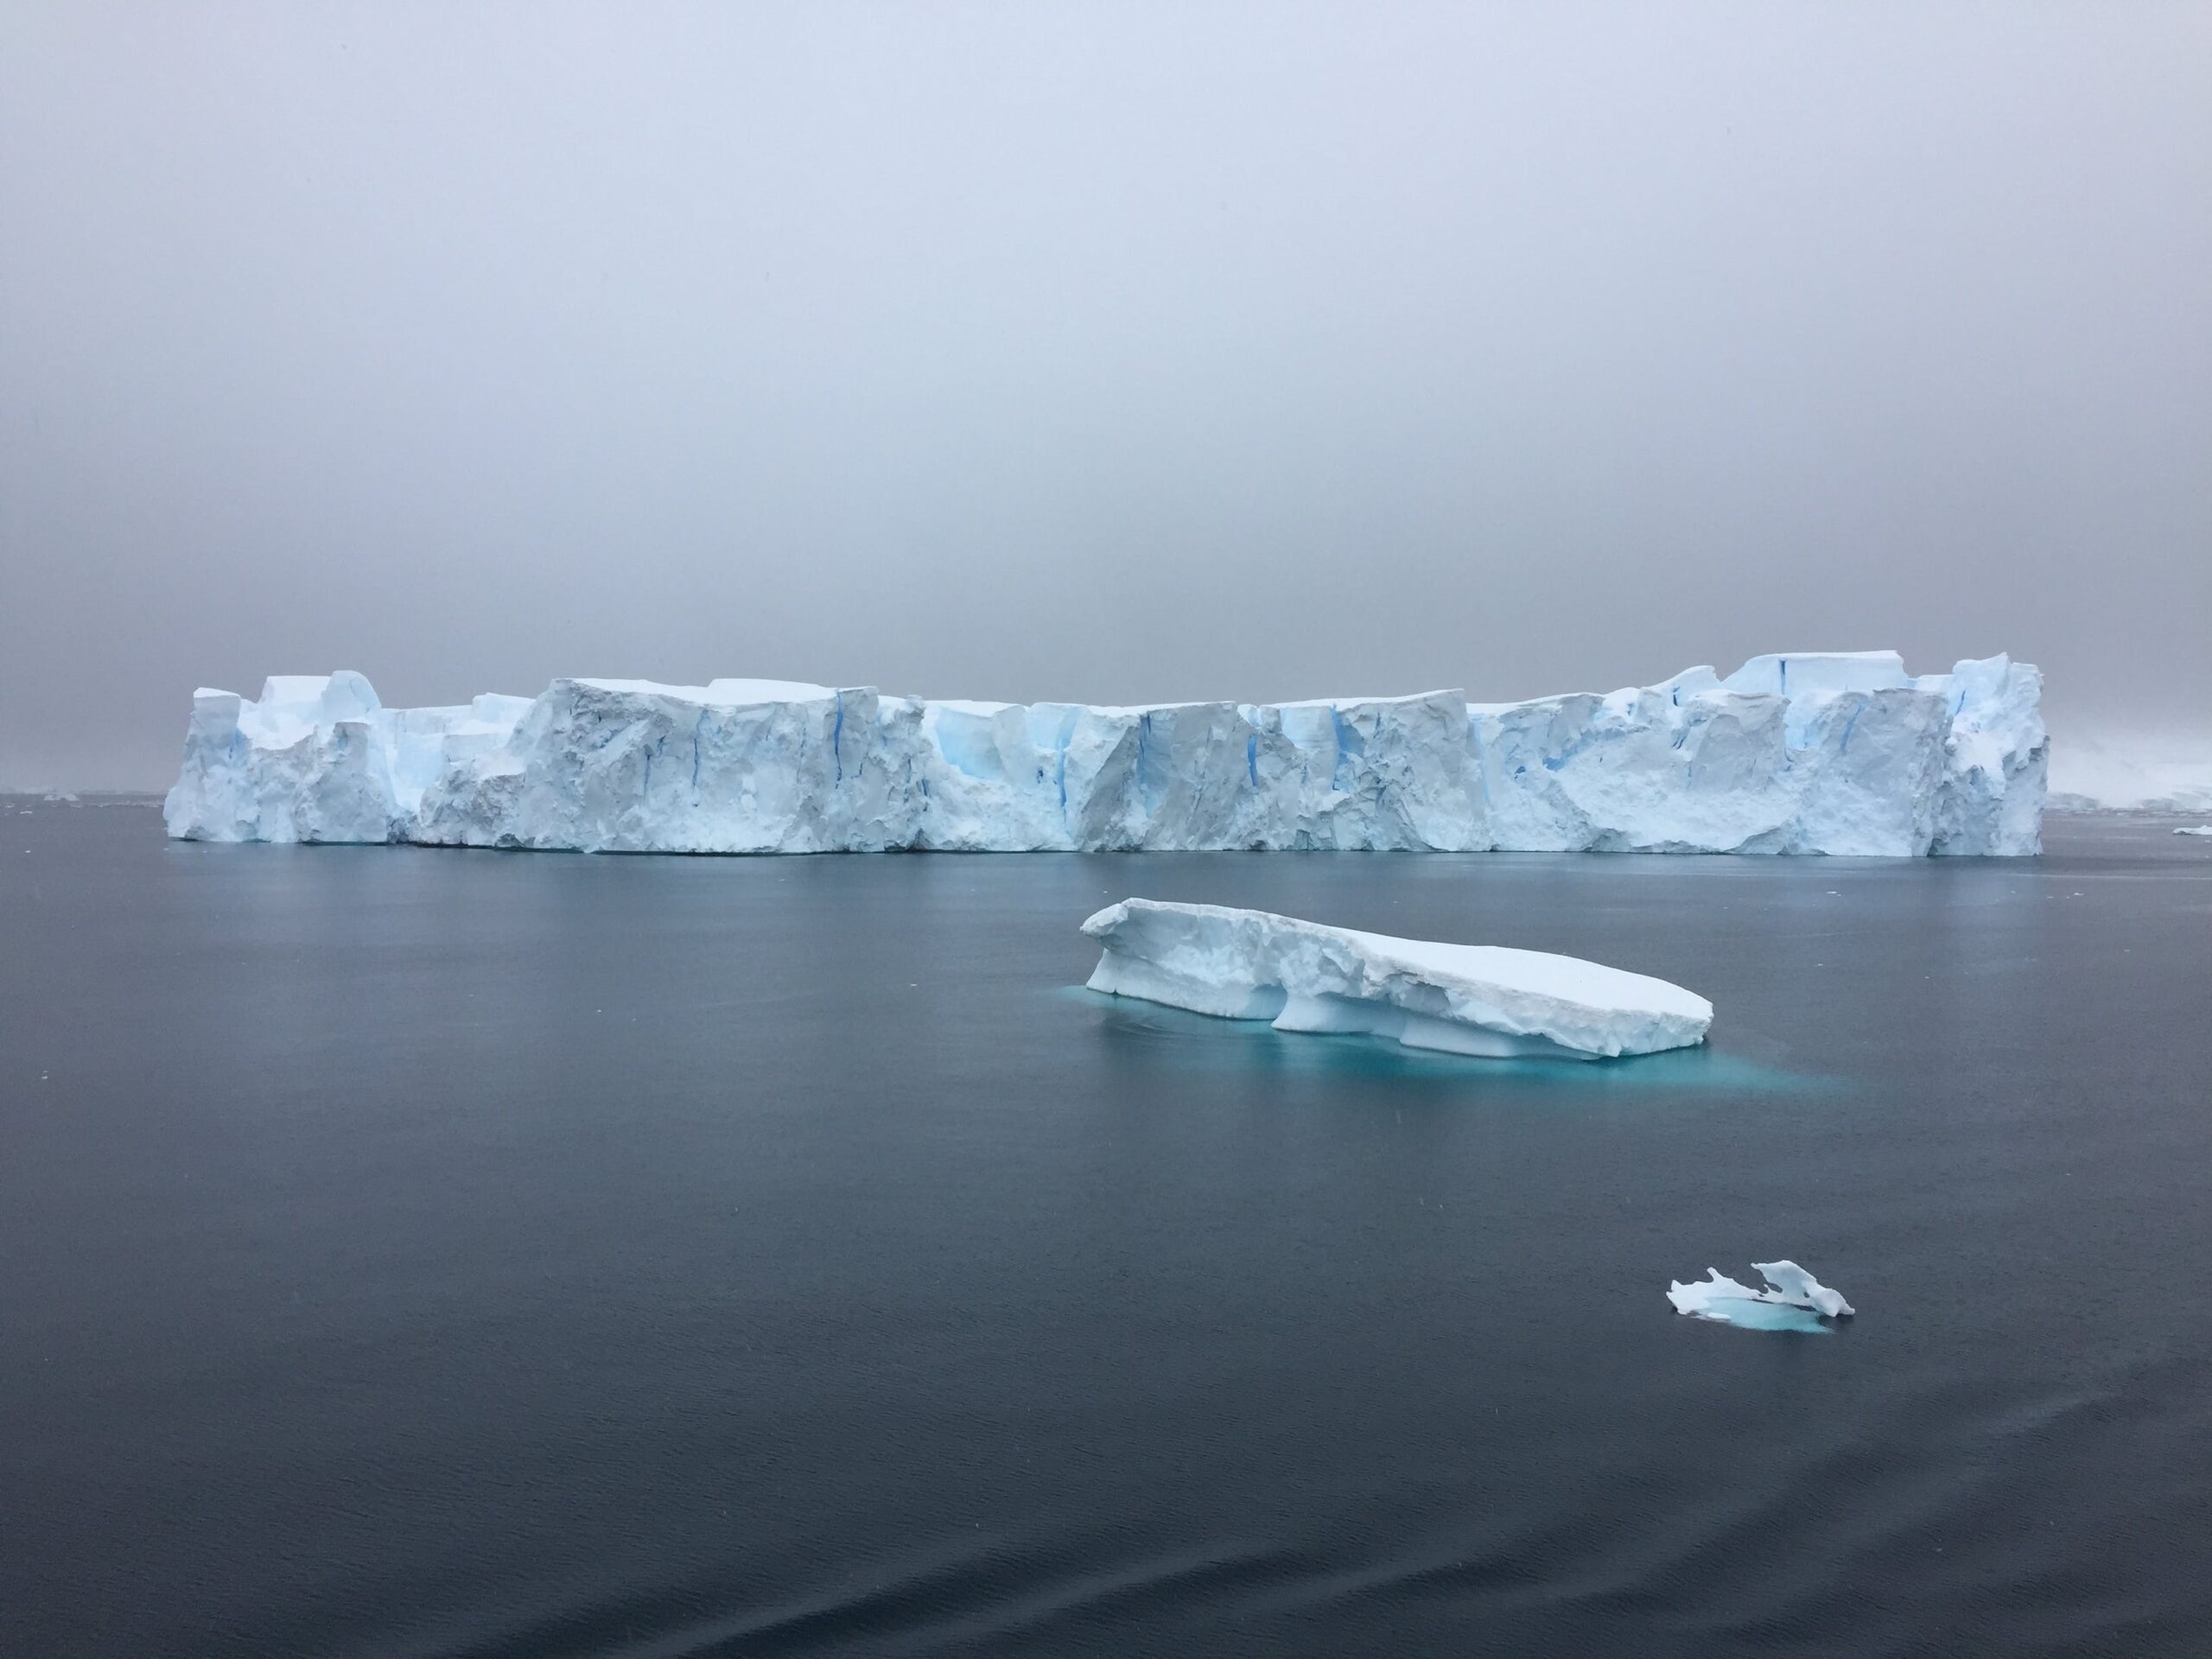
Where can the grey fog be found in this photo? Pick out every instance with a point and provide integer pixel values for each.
(1103, 352)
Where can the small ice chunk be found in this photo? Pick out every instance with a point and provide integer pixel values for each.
(1794, 1302)
(1698, 1298)
(2195, 829)
(1799, 1286)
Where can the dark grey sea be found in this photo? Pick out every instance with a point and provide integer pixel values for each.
(409, 1252)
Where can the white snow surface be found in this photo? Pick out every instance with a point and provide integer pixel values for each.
(1799, 752)
(1718, 1297)
(1463, 999)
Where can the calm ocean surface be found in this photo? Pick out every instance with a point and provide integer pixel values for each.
(408, 1253)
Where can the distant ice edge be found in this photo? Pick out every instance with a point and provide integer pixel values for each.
(1485, 1000)
(1840, 752)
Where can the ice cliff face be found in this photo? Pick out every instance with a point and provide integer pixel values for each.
(1810, 752)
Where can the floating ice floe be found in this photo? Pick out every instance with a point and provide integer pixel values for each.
(1461, 999)
(1806, 752)
(1793, 1300)
(2195, 829)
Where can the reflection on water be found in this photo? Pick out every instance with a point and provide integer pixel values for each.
(1748, 1315)
(1153, 1033)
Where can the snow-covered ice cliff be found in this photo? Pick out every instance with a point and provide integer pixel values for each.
(2121, 773)
(1805, 752)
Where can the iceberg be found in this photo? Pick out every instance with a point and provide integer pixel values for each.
(1461, 999)
(1839, 752)
(1793, 1300)
(2107, 771)
(2195, 829)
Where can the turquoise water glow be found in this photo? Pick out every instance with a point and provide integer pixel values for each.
(1151, 1032)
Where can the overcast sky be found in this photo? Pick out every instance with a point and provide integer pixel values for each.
(1104, 351)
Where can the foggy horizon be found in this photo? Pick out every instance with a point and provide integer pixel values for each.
(1110, 355)
(1705, 1174)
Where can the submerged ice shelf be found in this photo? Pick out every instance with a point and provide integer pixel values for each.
(1460, 998)
(1808, 752)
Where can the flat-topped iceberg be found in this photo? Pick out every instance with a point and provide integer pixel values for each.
(1807, 752)
(1461, 999)
(1794, 1299)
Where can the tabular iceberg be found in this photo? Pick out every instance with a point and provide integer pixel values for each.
(1818, 753)
(1462, 999)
